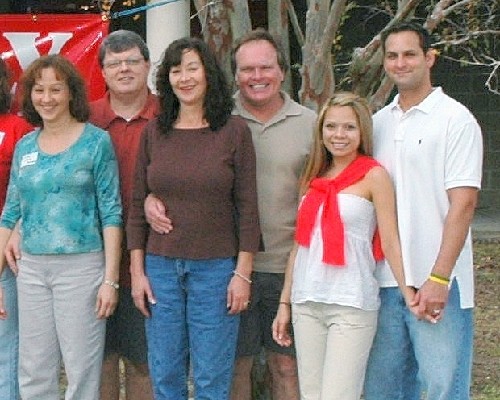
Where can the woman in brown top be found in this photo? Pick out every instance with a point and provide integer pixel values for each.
(192, 282)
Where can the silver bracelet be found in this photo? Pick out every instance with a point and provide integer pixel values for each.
(113, 284)
(247, 280)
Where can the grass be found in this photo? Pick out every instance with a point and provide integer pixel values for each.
(486, 369)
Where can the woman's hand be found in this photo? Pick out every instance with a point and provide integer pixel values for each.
(238, 295)
(3, 311)
(409, 293)
(142, 294)
(280, 325)
(13, 250)
(107, 299)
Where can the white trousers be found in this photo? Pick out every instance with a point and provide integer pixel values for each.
(57, 297)
(332, 343)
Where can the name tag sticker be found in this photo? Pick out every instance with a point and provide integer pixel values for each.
(29, 159)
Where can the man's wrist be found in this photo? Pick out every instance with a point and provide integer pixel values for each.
(439, 279)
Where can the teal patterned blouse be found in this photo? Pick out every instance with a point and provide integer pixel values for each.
(64, 200)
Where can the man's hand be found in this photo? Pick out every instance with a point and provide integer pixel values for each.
(431, 300)
(156, 215)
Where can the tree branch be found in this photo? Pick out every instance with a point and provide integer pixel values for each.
(332, 26)
(295, 22)
(465, 38)
(379, 98)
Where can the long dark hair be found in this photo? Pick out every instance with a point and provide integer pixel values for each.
(218, 102)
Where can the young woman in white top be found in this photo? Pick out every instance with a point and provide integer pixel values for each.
(348, 205)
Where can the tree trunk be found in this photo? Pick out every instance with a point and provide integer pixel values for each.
(277, 20)
(322, 22)
(222, 22)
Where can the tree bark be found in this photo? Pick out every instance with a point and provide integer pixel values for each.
(277, 20)
(222, 22)
(322, 22)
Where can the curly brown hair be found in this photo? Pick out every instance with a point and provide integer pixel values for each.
(65, 71)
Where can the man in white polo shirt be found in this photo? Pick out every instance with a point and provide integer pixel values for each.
(432, 147)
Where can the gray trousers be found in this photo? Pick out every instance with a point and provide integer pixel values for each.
(57, 298)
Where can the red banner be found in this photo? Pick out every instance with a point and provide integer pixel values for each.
(23, 38)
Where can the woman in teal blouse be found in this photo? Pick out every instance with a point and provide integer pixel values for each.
(64, 190)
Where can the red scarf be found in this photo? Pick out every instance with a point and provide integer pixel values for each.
(325, 191)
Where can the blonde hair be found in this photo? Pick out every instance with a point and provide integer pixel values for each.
(319, 158)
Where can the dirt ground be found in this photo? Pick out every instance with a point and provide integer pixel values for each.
(486, 370)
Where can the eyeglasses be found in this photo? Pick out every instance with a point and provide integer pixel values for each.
(129, 62)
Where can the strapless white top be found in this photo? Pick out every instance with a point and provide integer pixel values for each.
(353, 284)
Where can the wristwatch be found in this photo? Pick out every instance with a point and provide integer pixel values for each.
(113, 284)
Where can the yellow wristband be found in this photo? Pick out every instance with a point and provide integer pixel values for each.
(444, 278)
(434, 278)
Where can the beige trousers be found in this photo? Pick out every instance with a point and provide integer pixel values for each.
(332, 343)
(57, 319)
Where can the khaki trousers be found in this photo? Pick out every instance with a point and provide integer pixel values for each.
(57, 297)
(332, 343)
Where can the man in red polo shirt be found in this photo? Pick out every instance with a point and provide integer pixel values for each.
(124, 111)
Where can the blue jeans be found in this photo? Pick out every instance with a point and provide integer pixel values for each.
(190, 323)
(9, 339)
(409, 355)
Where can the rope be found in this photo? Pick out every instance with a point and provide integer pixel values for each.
(136, 10)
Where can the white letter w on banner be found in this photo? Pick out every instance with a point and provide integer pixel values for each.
(23, 44)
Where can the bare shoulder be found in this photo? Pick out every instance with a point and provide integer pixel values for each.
(380, 183)
(378, 175)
